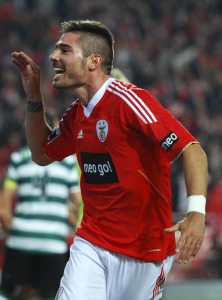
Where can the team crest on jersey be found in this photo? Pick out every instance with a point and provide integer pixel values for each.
(102, 130)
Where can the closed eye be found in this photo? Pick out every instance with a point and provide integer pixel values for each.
(65, 50)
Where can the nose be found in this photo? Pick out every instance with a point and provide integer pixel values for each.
(53, 56)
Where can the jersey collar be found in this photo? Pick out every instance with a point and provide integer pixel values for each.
(96, 98)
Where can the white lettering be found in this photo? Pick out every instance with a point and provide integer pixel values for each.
(109, 166)
(173, 136)
(169, 141)
(164, 145)
(89, 168)
(100, 168)
(105, 168)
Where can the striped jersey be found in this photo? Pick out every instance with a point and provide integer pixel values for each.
(125, 142)
(39, 223)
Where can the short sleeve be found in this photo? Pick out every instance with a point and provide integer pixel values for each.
(61, 142)
(146, 115)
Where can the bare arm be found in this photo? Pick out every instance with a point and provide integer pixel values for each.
(6, 208)
(74, 208)
(37, 130)
(195, 170)
(192, 228)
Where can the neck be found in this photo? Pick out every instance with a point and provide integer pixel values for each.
(86, 92)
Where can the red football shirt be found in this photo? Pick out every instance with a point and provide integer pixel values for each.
(124, 141)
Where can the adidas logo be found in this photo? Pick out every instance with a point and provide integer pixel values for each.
(80, 134)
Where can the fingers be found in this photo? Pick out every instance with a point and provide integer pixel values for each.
(174, 228)
(30, 74)
(19, 61)
(22, 57)
(187, 248)
(190, 240)
(23, 62)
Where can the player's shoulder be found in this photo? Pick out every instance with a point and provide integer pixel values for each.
(71, 111)
(132, 97)
(70, 160)
(122, 85)
(129, 90)
(73, 106)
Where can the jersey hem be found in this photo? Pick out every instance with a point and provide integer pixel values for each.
(148, 258)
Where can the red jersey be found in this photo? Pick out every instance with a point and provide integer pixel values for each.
(124, 141)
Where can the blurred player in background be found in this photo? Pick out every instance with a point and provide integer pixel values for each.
(47, 201)
(125, 142)
(119, 75)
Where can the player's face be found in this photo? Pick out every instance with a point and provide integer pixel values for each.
(68, 62)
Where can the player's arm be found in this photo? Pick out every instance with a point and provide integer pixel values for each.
(6, 200)
(37, 130)
(193, 226)
(75, 207)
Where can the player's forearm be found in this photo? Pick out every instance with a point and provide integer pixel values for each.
(195, 170)
(6, 207)
(37, 130)
(6, 199)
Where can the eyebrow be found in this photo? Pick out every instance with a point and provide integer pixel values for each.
(62, 45)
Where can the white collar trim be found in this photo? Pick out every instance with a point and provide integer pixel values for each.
(96, 98)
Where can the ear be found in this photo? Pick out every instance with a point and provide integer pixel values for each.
(94, 62)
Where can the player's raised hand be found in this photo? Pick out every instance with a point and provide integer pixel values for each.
(30, 74)
(192, 230)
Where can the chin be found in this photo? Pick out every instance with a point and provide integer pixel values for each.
(56, 85)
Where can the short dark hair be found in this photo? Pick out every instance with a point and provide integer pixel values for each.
(96, 38)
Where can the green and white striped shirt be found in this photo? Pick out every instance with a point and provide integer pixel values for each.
(40, 216)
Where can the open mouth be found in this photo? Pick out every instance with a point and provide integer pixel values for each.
(59, 71)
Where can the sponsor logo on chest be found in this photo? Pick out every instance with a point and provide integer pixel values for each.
(98, 168)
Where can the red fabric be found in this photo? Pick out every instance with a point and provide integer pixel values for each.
(128, 216)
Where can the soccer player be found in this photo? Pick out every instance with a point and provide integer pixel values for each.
(38, 225)
(125, 142)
